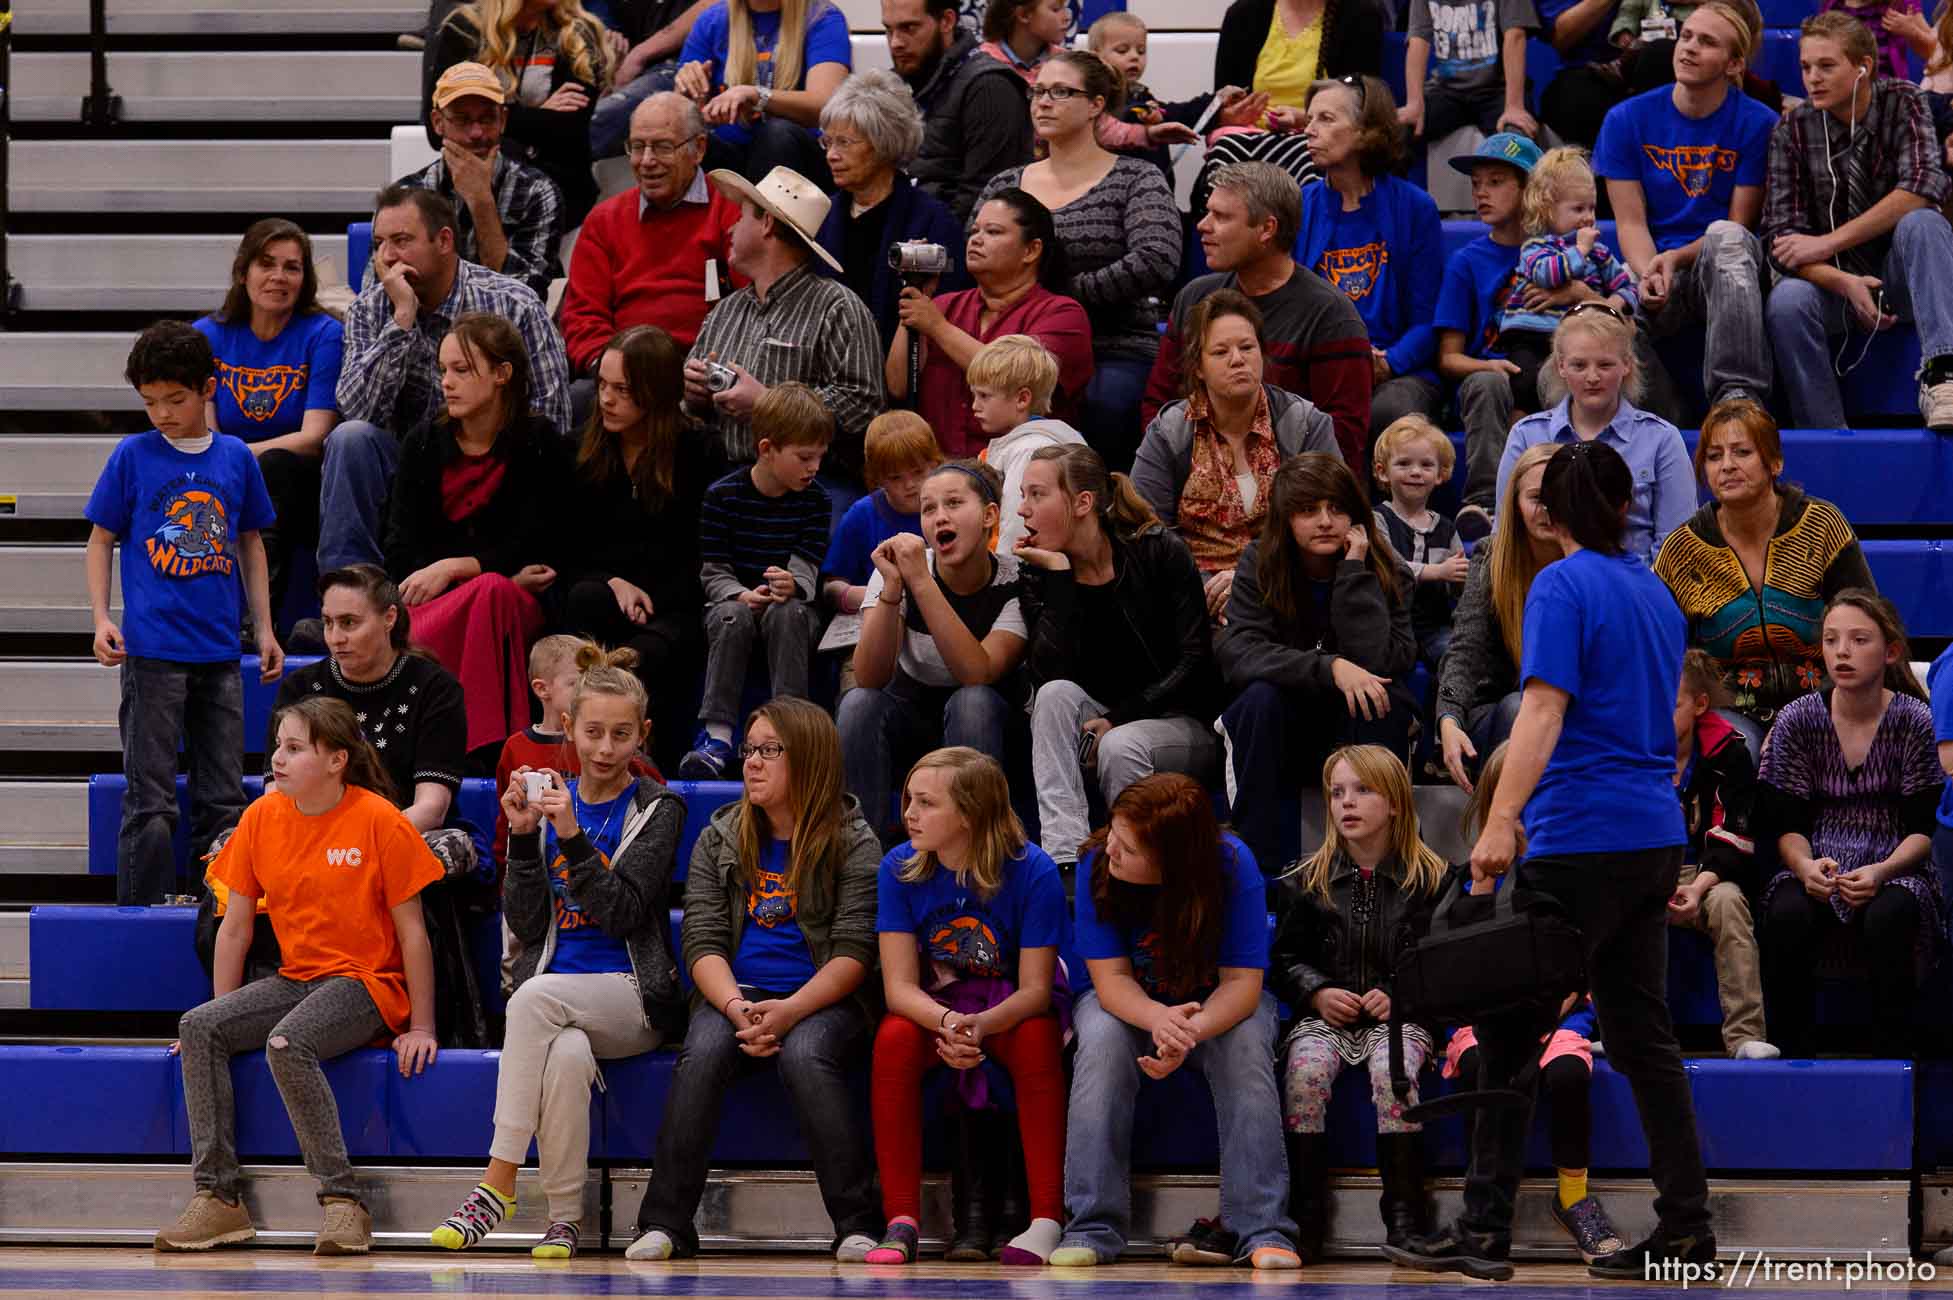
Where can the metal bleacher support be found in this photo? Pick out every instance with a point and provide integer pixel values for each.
(310, 86)
(225, 17)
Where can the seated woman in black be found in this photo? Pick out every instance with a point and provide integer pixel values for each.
(1850, 785)
(1317, 644)
(636, 488)
(469, 535)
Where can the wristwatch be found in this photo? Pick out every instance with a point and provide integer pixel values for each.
(765, 98)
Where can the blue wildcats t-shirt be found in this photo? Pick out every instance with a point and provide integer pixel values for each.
(1244, 926)
(1688, 168)
(1477, 280)
(827, 42)
(965, 935)
(1605, 630)
(265, 387)
(178, 517)
(582, 947)
(1939, 687)
(773, 955)
(1594, 47)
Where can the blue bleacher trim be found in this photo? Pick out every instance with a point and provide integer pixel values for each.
(359, 252)
(83, 958)
(1850, 1116)
(1918, 578)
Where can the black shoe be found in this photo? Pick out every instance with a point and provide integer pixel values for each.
(970, 1194)
(1209, 1241)
(1645, 1260)
(1400, 1167)
(1453, 1250)
(1308, 1191)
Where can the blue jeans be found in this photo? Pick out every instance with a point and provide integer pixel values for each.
(814, 1064)
(1109, 415)
(164, 702)
(894, 725)
(610, 121)
(1804, 319)
(1240, 1070)
(358, 474)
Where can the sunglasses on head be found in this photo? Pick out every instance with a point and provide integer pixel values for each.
(1607, 309)
(1355, 84)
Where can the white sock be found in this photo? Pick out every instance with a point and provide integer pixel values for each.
(854, 1248)
(654, 1244)
(719, 731)
(1040, 1239)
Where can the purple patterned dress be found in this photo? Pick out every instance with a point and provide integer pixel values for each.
(1858, 817)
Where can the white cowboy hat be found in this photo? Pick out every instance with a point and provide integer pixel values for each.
(785, 195)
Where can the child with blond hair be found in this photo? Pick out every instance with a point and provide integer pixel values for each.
(1413, 459)
(1011, 382)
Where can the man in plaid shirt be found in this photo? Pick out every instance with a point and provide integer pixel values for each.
(390, 383)
(1852, 224)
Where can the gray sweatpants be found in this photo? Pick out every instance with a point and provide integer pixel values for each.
(313, 1021)
(788, 631)
(1125, 754)
(559, 1027)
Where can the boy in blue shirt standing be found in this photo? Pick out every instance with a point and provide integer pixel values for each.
(187, 506)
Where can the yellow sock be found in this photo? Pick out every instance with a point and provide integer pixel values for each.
(1573, 1187)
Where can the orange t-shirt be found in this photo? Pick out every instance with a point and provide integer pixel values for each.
(329, 883)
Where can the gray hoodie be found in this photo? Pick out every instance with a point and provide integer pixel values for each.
(1008, 454)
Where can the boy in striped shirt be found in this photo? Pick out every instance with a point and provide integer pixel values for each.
(762, 535)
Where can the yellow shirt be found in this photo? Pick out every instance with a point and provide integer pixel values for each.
(1286, 67)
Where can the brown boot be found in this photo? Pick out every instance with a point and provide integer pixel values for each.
(208, 1221)
(347, 1230)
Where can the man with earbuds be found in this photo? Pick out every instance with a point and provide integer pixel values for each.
(1851, 224)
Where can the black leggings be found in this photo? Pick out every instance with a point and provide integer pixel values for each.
(1567, 1083)
(667, 646)
(1795, 927)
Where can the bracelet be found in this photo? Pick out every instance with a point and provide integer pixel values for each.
(729, 1001)
(884, 600)
(945, 1020)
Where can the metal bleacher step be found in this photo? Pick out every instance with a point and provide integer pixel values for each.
(106, 1204)
(148, 273)
(67, 705)
(120, 176)
(66, 371)
(47, 477)
(44, 589)
(43, 830)
(225, 17)
(228, 85)
(13, 961)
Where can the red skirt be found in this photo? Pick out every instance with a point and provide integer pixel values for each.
(480, 632)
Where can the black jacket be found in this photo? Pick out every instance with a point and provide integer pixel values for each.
(557, 142)
(654, 548)
(976, 122)
(1718, 802)
(1327, 945)
(1352, 40)
(512, 529)
(1364, 626)
(1159, 589)
(1477, 670)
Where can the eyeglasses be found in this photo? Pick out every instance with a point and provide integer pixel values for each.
(771, 750)
(662, 150)
(1607, 309)
(1061, 94)
(471, 121)
(841, 143)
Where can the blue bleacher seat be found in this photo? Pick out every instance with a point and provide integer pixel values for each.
(84, 958)
(359, 252)
(1918, 578)
(90, 1101)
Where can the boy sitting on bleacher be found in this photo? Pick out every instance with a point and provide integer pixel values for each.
(1479, 78)
(187, 505)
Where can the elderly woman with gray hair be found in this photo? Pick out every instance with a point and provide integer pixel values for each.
(871, 128)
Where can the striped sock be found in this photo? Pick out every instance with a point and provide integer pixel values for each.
(477, 1217)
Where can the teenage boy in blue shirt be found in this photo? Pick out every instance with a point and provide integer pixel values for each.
(187, 506)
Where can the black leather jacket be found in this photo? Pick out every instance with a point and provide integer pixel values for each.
(1159, 589)
(1337, 944)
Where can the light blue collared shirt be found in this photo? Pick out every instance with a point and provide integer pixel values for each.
(1664, 479)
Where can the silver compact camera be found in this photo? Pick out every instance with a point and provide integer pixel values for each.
(719, 377)
(918, 259)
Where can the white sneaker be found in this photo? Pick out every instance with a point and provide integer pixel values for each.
(1936, 406)
(854, 1248)
(1756, 1049)
(653, 1245)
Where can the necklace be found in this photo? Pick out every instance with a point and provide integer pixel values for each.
(586, 813)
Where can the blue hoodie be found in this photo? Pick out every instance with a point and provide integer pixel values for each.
(1388, 256)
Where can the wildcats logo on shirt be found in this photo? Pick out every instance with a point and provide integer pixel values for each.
(260, 391)
(1693, 166)
(1354, 270)
(195, 534)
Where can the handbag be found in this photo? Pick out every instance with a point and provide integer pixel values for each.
(1520, 961)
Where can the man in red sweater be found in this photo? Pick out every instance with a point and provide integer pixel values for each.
(1315, 344)
(642, 258)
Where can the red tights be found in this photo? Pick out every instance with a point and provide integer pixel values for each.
(904, 1052)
